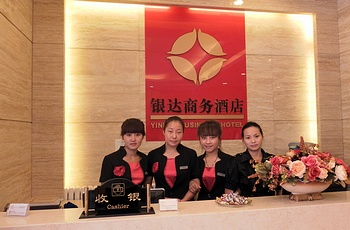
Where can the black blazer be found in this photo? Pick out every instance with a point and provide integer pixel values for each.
(186, 170)
(116, 159)
(222, 178)
(243, 169)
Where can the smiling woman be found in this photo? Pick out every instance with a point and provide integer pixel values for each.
(214, 164)
(174, 165)
(128, 162)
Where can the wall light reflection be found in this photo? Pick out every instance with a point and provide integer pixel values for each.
(92, 5)
(214, 10)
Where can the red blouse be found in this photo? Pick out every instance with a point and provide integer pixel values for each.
(170, 172)
(208, 177)
(136, 171)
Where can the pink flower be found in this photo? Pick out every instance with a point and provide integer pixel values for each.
(323, 164)
(275, 170)
(119, 170)
(276, 160)
(155, 167)
(340, 162)
(297, 168)
(310, 161)
(325, 156)
(313, 173)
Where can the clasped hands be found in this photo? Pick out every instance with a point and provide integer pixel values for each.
(194, 186)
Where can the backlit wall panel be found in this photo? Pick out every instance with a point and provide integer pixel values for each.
(105, 76)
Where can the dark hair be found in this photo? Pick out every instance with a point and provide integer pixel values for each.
(209, 128)
(133, 125)
(174, 118)
(251, 124)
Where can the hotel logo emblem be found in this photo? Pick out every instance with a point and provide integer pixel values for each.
(185, 68)
(118, 189)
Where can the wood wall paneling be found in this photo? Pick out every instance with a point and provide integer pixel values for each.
(48, 100)
(48, 161)
(15, 155)
(19, 13)
(345, 83)
(344, 44)
(103, 29)
(15, 100)
(48, 21)
(16, 73)
(103, 86)
(48, 83)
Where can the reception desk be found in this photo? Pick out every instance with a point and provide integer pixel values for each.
(333, 212)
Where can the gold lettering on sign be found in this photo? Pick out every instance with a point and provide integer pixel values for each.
(231, 124)
(100, 198)
(134, 196)
(118, 206)
(157, 125)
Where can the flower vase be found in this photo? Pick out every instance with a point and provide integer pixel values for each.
(306, 191)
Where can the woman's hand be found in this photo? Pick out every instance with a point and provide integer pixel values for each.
(195, 186)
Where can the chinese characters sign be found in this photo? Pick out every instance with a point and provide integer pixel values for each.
(119, 195)
(195, 69)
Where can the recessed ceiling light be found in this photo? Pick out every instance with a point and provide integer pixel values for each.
(238, 2)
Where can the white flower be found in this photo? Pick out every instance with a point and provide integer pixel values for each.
(340, 172)
(324, 174)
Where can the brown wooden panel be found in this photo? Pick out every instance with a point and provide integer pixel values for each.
(48, 99)
(15, 166)
(345, 82)
(48, 82)
(20, 13)
(48, 21)
(47, 160)
(16, 73)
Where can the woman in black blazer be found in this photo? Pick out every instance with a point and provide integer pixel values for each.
(174, 165)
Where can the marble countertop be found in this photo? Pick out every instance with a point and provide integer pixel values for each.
(261, 213)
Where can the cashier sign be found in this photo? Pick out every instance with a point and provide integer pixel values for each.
(195, 69)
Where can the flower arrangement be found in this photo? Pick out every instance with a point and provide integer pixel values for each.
(305, 164)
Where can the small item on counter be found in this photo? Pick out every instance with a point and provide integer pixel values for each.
(232, 199)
